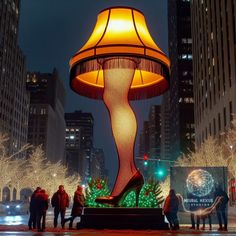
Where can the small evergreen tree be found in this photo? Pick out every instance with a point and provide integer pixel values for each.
(97, 187)
(150, 196)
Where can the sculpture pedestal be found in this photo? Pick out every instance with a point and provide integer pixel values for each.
(122, 218)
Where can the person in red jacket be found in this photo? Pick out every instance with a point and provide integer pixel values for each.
(170, 209)
(60, 201)
(42, 206)
(77, 208)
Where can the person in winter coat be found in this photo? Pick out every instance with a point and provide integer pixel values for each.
(42, 206)
(221, 209)
(170, 209)
(60, 201)
(78, 204)
(33, 209)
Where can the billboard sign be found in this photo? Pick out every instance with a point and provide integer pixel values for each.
(196, 187)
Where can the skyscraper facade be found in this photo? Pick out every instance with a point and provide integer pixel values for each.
(165, 127)
(150, 143)
(46, 114)
(14, 99)
(79, 143)
(98, 163)
(144, 140)
(214, 66)
(181, 114)
(155, 131)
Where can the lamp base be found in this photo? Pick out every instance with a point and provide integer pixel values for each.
(123, 218)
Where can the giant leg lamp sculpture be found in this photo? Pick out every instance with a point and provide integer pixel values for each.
(120, 62)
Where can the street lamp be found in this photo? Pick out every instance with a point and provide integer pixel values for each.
(121, 62)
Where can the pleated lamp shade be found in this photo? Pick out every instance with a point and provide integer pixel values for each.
(120, 32)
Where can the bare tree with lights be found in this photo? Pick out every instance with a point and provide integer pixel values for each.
(20, 173)
(8, 166)
(19, 178)
(230, 148)
(210, 154)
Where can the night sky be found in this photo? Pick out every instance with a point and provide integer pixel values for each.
(51, 31)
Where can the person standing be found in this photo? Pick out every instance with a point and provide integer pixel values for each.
(78, 204)
(221, 209)
(60, 201)
(192, 208)
(170, 209)
(204, 221)
(77, 208)
(42, 206)
(32, 209)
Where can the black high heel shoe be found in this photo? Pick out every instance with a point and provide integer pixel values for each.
(135, 183)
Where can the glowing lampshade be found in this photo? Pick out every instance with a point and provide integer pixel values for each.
(120, 31)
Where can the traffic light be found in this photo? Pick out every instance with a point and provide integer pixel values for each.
(161, 173)
(145, 157)
(145, 160)
(145, 163)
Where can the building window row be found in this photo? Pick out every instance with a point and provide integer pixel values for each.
(186, 56)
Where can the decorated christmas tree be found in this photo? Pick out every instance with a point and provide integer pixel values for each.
(150, 196)
(97, 187)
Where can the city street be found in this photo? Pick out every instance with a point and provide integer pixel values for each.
(17, 225)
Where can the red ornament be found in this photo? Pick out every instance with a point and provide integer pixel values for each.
(99, 186)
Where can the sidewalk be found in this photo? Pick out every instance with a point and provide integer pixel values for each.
(183, 230)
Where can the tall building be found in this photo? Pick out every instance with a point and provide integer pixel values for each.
(150, 143)
(182, 136)
(14, 99)
(98, 163)
(79, 142)
(144, 140)
(46, 113)
(165, 127)
(155, 132)
(214, 66)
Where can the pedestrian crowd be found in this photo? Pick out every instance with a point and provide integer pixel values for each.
(39, 204)
(171, 207)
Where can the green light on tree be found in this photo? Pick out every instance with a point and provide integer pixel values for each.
(97, 187)
(150, 196)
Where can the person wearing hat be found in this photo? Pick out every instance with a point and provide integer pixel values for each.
(77, 208)
(60, 201)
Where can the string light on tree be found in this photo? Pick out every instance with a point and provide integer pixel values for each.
(96, 187)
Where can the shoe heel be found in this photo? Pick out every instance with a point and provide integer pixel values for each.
(137, 191)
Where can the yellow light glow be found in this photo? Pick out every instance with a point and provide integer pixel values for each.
(120, 25)
(143, 31)
(141, 78)
(97, 32)
(117, 27)
(120, 32)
